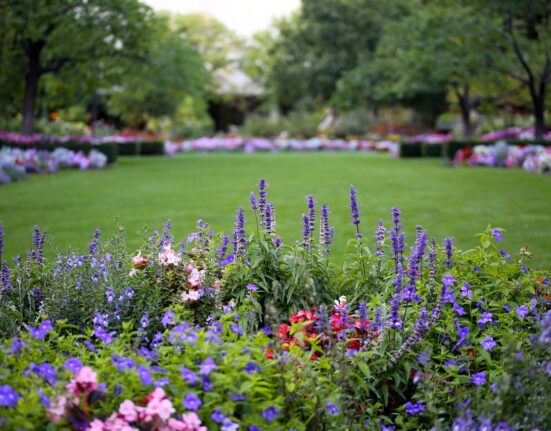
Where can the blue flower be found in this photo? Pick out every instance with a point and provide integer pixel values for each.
(8, 397)
(73, 364)
(189, 376)
(167, 318)
(478, 378)
(485, 318)
(191, 401)
(145, 375)
(414, 408)
(522, 311)
(237, 329)
(488, 343)
(496, 233)
(251, 368)
(228, 425)
(44, 400)
(332, 409)
(42, 330)
(270, 414)
(207, 367)
(217, 416)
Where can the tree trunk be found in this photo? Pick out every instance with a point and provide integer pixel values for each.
(538, 102)
(33, 50)
(465, 104)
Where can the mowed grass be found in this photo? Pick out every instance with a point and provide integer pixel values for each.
(144, 192)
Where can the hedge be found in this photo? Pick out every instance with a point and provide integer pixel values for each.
(410, 149)
(110, 149)
(431, 149)
(141, 148)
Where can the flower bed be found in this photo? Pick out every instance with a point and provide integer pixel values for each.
(16, 164)
(250, 145)
(532, 158)
(243, 332)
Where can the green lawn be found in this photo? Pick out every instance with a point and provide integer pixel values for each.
(146, 191)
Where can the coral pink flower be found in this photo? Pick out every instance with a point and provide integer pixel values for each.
(139, 261)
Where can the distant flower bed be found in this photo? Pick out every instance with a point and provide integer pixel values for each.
(431, 138)
(520, 133)
(532, 158)
(16, 138)
(250, 145)
(16, 164)
(246, 333)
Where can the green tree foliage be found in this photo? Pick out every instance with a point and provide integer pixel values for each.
(155, 87)
(434, 49)
(47, 36)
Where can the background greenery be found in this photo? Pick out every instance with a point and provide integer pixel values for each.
(143, 192)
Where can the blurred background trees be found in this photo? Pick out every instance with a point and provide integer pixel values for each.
(115, 64)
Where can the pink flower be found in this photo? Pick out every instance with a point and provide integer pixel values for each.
(196, 278)
(168, 256)
(191, 296)
(132, 272)
(85, 381)
(128, 410)
(96, 425)
(161, 408)
(57, 410)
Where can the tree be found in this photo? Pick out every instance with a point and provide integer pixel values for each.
(171, 71)
(220, 48)
(323, 41)
(52, 35)
(434, 48)
(523, 30)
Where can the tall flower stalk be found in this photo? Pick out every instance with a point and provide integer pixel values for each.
(355, 216)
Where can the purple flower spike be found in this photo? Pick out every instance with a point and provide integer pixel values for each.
(354, 208)
(239, 240)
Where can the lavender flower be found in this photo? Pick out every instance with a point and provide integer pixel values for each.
(251, 368)
(326, 231)
(448, 246)
(466, 291)
(217, 416)
(5, 278)
(189, 376)
(269, 218)
(305, 231)
(262, 195)
(191, 401)
(395, 320)
(123, 363)
(397, 239)
(239, 240)
(166, 237)
(254, 202)
(145, 375)
(1, 241)
(220, 253)
(380, 238)
(311, 203)
(144, 321)
(228, 425)
(355, 211)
